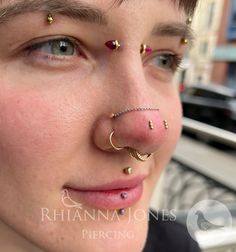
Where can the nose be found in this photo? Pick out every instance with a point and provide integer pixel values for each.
(135, 126)
(141, 129)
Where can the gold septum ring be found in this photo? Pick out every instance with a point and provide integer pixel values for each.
(140, 157)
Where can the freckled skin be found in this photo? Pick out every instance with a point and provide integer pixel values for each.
(48, 121)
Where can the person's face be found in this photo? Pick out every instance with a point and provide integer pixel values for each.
(52, 101)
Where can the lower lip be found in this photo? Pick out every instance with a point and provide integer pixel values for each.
(110, 199)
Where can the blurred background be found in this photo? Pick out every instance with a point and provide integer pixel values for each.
(203, 166)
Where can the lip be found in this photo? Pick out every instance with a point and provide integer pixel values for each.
(108, 196)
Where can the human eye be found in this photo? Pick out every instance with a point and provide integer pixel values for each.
(59, 47)
(165, 61)
(56, 51)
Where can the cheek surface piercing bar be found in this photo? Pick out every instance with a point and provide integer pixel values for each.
(151, 125)
(166, 125)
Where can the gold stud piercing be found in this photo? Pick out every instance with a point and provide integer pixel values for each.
(128, 170)
(113, 146)
(151, 125)
(166, 125)
(50, 19)
(184, 41)
(189, 21)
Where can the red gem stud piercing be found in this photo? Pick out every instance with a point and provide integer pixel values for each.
(113, 44)
(145, 49)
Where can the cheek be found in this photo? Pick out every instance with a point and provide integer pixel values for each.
(29, 126)
(173, 114)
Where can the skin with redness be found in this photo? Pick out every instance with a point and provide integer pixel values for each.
(59, 84)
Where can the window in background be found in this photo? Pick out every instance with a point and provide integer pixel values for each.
(231, 33)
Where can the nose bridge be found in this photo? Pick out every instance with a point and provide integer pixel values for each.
(129, 80)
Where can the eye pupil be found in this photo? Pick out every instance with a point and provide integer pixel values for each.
(164, 61)
(62, 47)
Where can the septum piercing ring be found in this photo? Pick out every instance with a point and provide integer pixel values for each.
(140, 157)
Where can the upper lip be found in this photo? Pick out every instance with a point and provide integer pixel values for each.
(114, 185)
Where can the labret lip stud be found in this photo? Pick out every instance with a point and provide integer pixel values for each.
(127, 170)
(124, 195)
(113, 44)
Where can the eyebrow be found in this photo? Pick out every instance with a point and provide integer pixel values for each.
(174, 29)
(73, 9)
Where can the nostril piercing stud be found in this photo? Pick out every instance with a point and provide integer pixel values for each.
(128, 170)
(50, 19)
(124, 195)
(113, 44)
(151, 125)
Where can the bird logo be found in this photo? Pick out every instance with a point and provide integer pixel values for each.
(204, 224)
(208, 217)
(68, 202)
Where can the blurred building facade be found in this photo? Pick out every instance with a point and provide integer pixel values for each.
(224, 58)
(213, 57)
